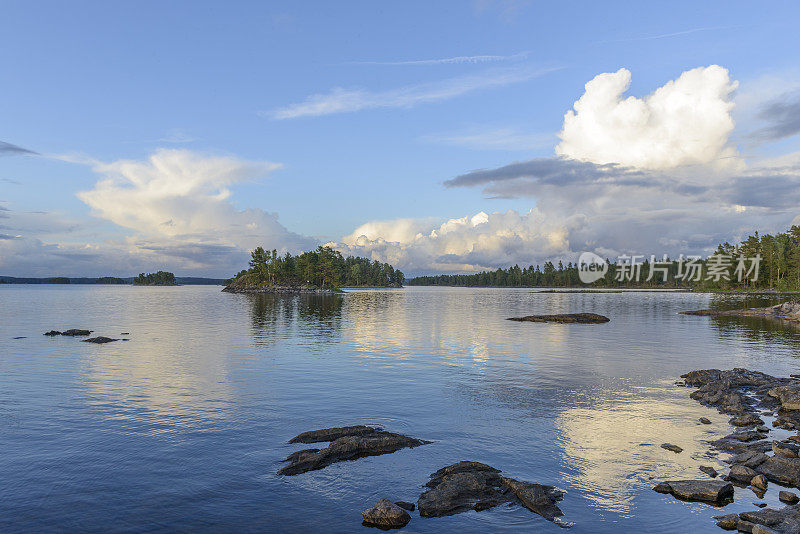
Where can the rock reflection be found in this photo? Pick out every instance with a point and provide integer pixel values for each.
(753, 329)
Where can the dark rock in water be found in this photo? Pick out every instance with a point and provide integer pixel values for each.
(705, 420)
(783, 520)
(99, 339)
(759, 482)
(671, 447)
(741, 474)
(709, 491)
(746, 420)
(760, 504)
(583, 318)
(76, 332)
(476, 486)
(386, 514)
(348, 443)
(788, 497)
(727, 522)
(22, 337)
(787, 450)
(785, 471)
(710, 471)
(124, 333)
(737, 447)
(52, 333)
(750, 435)
(410, 506)
(750, 458)
(331, 434)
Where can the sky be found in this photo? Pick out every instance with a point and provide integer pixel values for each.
(436, 136)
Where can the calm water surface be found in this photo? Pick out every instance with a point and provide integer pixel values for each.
(183, 427)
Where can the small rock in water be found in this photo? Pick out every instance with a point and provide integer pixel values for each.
(20, 337)
(410, 506)
(99, 339)
(710, 471)
(760, 482)
(711, 491)
(762, 429)
(788, 497)
(741, 474)
(671, 447)
(705, 420)
(76, 332)
(52, 333)
(727, 522)
(386, 514)
(346, 443)
(760, 504)
(124, 333)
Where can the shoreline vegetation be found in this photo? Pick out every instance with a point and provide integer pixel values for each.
(161, 278)
(779, 271)
(323, 270)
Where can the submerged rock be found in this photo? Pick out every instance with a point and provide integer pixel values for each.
(475, 486)
(347, 443)
(99, 339)
(710, 471)
(386, 514)
(709, 491)
(583, 318)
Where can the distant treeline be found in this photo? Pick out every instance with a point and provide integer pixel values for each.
(180, 280)
(161, 278)
(322, 268)
(730, 267)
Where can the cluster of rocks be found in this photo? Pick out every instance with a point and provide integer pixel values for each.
(76, 332)
(746, 396)
(453, 489)
(582, 318)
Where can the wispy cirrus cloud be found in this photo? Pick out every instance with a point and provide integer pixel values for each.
(456, 60)
(7, 149)
(669, 34)
(341, 100)
(493, 139)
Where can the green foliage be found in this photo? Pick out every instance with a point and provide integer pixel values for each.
(779, 269)
(322, 268)
(161, 278)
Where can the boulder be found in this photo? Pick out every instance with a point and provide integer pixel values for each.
(787, 450)
(759, 482)
(785, 471)
(709, 491)
(741, 474)
(348, 443)
(727, 522)
(386, 514)
(747, 419)
(751, 459)
(788, 497)
(788, 395)
(766, 520)
(750, 435)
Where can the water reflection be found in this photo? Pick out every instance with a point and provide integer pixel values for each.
(276, 316)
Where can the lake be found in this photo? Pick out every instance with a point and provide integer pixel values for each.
(183, 427)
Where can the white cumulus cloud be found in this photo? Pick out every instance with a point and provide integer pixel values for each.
(686, 121)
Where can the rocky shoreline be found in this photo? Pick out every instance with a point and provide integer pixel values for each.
(281, 290)
(756, 461)
(788, 311)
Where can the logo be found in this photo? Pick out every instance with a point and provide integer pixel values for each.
(591, 267)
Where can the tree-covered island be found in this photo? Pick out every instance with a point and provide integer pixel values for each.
(161, 278)
(323, 269)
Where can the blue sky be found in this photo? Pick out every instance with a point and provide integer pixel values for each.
(431, 90)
